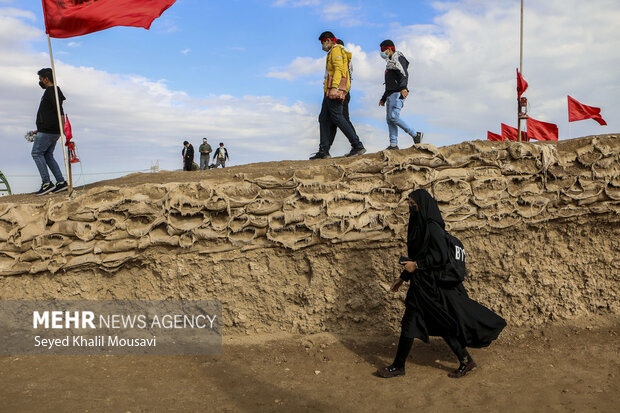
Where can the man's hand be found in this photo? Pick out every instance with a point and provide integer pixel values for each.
(396, 284)
(404, 93)
(382, 102)
(410, 266)
(336, 94)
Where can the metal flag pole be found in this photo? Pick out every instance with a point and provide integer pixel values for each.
(520, 71)
(60, 123)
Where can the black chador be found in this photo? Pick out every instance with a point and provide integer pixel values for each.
(432, 308)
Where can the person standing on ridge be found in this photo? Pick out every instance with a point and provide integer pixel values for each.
(47, 134)
(188, 156)
(347, 99)
(335, 88)
(205, 154)
(222, 156)
(396, 79)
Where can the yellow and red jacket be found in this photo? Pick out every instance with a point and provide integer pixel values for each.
(337, 69)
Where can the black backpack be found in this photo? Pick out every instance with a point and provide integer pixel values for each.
(455, 271)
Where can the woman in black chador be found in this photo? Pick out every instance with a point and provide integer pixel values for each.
(433, 309)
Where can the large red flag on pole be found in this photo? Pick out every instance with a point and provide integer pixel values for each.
(542, 131)
(69, 18)
(511, 134)
(579, 111)
(494, 136)
(521, 84)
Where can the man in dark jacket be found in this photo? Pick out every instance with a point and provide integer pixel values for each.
(396, 79)
(47, 134)
(220, 156)
(188, 156)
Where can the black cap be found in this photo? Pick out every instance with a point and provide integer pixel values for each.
(326, 35)
(221, 143)
(185, 142)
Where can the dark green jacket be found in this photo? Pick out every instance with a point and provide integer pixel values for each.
(205, 147)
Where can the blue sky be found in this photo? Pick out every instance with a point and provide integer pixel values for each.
(249, 73)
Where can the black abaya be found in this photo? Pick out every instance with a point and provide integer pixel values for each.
(431, 309)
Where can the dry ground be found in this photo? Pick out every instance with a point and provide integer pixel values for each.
(566, 367)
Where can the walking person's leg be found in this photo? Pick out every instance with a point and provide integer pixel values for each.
(395, 121)
(466, 362)
(40, 145)
(204, 162)
(51, 162)
(392, 112)
(335, 112)
(325, 128)
(345, 111)
(405, 343)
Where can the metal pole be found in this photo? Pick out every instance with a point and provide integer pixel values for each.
(520, 71)
(60, 123)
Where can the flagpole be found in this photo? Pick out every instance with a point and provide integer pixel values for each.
(520, 71)
(60, 123)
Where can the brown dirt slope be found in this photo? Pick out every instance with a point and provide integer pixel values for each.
(308, 247)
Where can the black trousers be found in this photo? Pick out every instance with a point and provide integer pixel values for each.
(345, 113)
(188, 164)
(331, 117)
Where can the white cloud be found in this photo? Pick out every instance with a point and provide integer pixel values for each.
(74, 44)
(123, 122)
(463, 66)
(186, 51)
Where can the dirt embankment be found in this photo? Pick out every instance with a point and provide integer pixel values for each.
(312, 246)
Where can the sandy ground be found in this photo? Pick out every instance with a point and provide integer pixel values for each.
(562, 368)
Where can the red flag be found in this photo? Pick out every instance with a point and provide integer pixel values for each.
(512, 134)
(542, 131)
(521, 84)
(69, 18)
(68, 132)
(494, 136)
(579, 111)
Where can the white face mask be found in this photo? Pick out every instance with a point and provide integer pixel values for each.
(384, 56)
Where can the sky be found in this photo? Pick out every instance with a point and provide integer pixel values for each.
(249, 73)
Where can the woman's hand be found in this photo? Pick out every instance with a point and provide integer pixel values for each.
(396, 284)
(410, 266)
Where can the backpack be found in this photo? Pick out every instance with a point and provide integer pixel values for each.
(455, 271)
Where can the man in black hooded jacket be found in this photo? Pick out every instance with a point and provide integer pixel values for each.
(433, 309)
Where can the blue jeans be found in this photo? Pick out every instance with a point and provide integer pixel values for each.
(393, 106)
(43, 155)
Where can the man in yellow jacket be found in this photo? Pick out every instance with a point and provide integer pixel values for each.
(336, 86)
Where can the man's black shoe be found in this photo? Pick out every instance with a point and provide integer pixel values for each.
(320, 155)
(392, 148)
(45, 188)
(418, 137)
(390, 371)
(357, 151)
(60, 186)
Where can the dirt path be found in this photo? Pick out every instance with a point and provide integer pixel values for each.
(563, 368)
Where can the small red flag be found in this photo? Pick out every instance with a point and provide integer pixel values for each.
(521, 84)
(579, 111)
(494, 136)
(512, 134)
(69, 18)
(541, 131)
(68, 131)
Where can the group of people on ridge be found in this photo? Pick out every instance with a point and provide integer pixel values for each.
(336, 88)
(220, 156)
